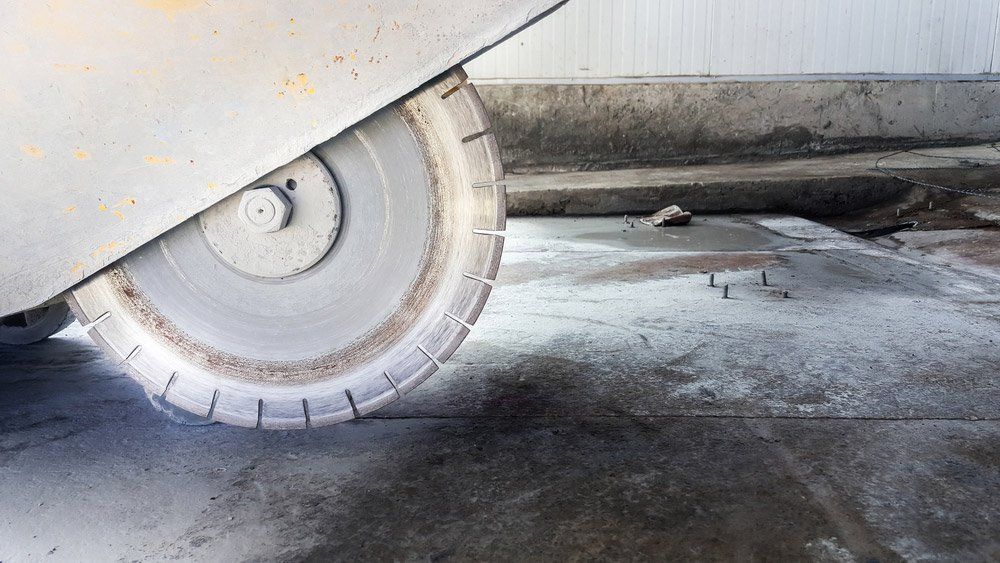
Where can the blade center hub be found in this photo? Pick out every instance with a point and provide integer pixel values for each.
(279, 226)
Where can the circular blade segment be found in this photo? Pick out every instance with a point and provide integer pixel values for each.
(392, 232)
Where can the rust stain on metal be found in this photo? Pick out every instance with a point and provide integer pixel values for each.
(33, 151)
(81, 154)
(171, 8)
(153, 159)
(109, 247)
(74, 67)
(298, 87)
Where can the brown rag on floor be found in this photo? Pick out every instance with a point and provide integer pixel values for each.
(669, 217)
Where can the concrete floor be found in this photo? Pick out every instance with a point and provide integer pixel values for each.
(817, 186)
(609, 405)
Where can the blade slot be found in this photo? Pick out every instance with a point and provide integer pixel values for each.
(479, 279)
(131, 355)
(305, 411)
(393, 383)
(354, 407)
(215, 400)
(170, 383)
(430, 356)
(99, 320)
(478, 135)
(458, 320)
(454, 89)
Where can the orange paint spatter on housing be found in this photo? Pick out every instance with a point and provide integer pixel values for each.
(171, 8)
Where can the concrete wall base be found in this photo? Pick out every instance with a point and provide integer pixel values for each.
(607, 126)
(818, 187)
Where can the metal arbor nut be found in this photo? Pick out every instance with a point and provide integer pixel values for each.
(265, 210)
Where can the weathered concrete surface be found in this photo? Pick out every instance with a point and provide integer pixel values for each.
(596, 126)
(609, 405)
(818, 186)
(973, 250)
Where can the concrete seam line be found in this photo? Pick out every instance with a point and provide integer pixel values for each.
(683, 416)
(992, 76)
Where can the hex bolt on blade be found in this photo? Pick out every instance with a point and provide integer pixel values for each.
(264, 210)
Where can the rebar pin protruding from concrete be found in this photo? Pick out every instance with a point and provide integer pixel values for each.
(763, 278)
(631, 224)
(930, 206)
(725, 291)
(784, 294)
(626, 219)
(897, 212)
(711, 280)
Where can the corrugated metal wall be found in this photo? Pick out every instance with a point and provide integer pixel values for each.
(621, 39)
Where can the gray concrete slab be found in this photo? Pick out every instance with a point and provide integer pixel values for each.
(608, 405)
(973, 250)
(817, 186)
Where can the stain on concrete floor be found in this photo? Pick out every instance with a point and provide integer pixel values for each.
(631, 419)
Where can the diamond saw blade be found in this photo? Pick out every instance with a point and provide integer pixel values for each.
(377, 263)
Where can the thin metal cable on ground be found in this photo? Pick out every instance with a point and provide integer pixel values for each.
(894, 172)
(976, 161)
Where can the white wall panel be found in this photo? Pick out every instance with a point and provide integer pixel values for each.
(608, 39)
(995, 57)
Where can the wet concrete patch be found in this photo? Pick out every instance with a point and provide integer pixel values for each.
(612, 234)
(589, 268)
(585, 489)
(681, 265)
